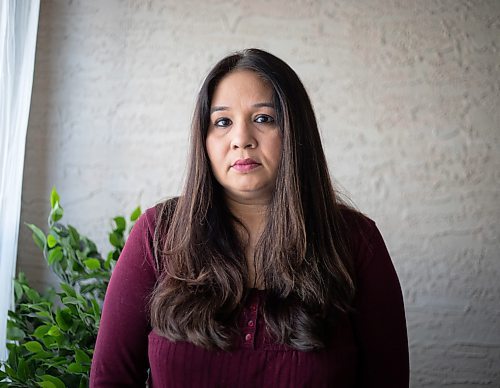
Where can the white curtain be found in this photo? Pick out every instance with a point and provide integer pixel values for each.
(18, 28)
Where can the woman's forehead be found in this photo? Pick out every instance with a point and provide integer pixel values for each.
(242, 85)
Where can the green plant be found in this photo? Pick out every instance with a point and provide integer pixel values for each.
(51, 336)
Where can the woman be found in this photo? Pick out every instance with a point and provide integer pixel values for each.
(257, 275)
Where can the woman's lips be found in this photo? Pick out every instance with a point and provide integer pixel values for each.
(245, 165)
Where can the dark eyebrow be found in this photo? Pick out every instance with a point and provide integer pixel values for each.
(258, 105)
(264, 104)
(218, 108)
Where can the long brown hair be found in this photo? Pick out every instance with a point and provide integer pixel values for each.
(302, 254)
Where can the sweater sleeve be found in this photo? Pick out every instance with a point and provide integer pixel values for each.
(379, 318)
(121, 352)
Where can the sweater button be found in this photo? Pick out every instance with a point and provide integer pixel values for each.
(250, 323)
(253, 307)
(248, 337)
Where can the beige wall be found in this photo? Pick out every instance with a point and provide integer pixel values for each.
(407, 95)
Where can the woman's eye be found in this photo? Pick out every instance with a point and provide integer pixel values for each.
(222, 122)
(264, 119)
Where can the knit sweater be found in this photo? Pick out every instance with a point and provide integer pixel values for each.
(367, 348)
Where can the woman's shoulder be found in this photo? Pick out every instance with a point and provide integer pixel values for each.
(357, 225)
(360, 232)
(146, 225)
(161, 210)
(365, 241)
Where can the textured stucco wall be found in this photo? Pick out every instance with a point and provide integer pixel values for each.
(407, 95)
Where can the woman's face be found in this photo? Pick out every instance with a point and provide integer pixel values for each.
(243, 140)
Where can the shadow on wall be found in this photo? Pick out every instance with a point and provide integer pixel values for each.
(39, 146)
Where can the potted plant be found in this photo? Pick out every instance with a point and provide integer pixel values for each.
(51, 335)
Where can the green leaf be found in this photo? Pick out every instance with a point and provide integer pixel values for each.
(92, 248)
(57, 362)
(12, 359)
(75, 368)
(44, 314)
(107, 263)
(57, 212)
(41, 331)
(55, 255)
(33, 346)
(115, 239)
(92, 264)
(61, 230)
(84, 383)
(51, 241)
(18, 290)
(82, 300)
(11, 372)
(15, 333)
(63, 319)
(81, 256)
(70, 300)
(74, 237)
(38, 236)
(50, 295)
(22, 277)
(54, 380)
(48, 341)
(46, 384)
(31, 294)
(43, 355)
(81, 357)
(96, 308)
(54, 331)
(135, 214)
(22, 370)
(54, 197)
(43, 306)
(121, 224)
(68, 289)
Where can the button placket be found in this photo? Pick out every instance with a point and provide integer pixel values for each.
(250, 324)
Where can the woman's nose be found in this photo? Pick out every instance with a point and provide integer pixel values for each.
(243, 136)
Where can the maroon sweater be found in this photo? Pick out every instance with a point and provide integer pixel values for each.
(368, 347)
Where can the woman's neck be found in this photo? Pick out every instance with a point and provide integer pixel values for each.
(252, 215)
